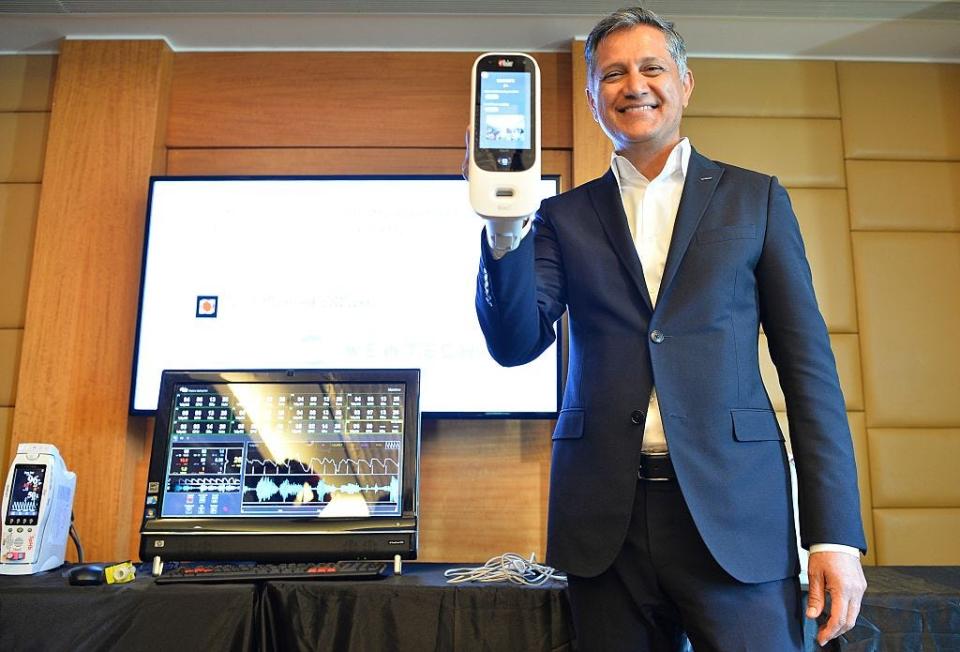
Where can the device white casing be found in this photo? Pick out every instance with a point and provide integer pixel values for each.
(485, 184)
(45, 543)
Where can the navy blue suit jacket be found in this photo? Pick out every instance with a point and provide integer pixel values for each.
(736, 262)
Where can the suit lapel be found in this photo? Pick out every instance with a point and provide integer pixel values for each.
(608, 206)
(703, 175)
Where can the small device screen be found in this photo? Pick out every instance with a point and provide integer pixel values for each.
(505, 121)
(504, 110)
(260, 450)
(26, 492)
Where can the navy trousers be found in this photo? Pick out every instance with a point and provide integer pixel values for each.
(664, 588)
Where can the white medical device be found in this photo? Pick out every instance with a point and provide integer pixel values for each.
(37, 505)
(504, 151)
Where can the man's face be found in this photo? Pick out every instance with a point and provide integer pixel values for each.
(637, 94)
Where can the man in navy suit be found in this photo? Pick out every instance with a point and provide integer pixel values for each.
(670, 496)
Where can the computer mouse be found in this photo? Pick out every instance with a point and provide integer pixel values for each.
(86, 575)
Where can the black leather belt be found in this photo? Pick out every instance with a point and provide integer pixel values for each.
(656, 467)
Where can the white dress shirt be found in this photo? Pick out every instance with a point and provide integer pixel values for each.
(651, 208)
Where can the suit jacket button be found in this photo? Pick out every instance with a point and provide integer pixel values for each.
(637, 417)
(656, 337)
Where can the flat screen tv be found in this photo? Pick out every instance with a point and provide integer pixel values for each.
(326, 273)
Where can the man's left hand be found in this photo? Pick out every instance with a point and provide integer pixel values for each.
(840, 575)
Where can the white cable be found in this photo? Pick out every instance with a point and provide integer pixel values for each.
(508, 567)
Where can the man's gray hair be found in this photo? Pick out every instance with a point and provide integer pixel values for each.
(631, 17)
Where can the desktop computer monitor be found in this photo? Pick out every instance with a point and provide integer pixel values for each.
(284, 465)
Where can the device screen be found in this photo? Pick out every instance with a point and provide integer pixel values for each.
(25, 494)
(504, 133)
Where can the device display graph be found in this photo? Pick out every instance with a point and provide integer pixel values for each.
(316, 475)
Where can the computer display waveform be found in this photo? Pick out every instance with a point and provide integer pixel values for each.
(309, 489)
(204, 484)
(328, 459)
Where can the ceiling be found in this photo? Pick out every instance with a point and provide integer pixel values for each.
(918, 30)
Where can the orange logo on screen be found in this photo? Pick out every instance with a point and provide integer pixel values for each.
(206, 306)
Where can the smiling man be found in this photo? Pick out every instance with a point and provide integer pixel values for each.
(670, 498)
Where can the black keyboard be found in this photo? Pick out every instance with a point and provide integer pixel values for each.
(258, 571)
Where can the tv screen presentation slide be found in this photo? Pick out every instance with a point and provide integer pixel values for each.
(317, 273)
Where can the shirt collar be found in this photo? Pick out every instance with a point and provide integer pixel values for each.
(629, 177)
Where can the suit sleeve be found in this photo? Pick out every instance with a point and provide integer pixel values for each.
(829, 499)
(521, 295)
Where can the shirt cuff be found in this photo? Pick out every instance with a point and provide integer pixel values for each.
(834, 547)
(503, 236)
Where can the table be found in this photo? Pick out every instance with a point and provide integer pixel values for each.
(415, 611)
(906, 609)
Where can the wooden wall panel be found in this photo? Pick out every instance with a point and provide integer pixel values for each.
(336, 160)
(26, 82)
(904, 195)
(109, 108)
(876, 124)
(592, 148)
(768, 89)
(484, 489)
(18, 220)
(341, 99)
(6, 428)
(10, 343)
(22, 143)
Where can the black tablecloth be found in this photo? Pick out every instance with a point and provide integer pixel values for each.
(908, 609)
(414, 611)
(915, 609)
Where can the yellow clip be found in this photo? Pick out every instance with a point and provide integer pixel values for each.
(120, 573)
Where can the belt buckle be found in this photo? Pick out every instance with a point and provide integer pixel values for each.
(657, 454)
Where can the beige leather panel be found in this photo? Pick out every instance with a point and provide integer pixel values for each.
(858, 433)
(771, 88)
(10, 341)
(917, 537)
(22, 145)
(904, 195)
(876, 121)
(846, 351)
(909, 311)
(915, 467)
(26, 82)
(822, 213)
(805, 153)
(18, 221)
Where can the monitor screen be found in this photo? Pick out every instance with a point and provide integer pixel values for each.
(279, 449)
(320, 272)
(283, 452)
(26, 490)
